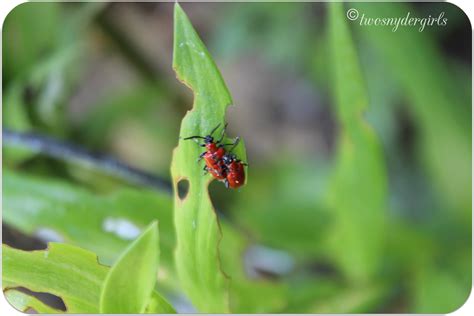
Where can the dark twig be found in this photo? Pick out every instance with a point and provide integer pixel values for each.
(71, 153)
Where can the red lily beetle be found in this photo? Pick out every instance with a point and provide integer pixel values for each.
(235, 170)
(213, 154)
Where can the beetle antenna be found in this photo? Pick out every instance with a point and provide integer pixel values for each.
(223, 132)
(193, 137)
(215, 128)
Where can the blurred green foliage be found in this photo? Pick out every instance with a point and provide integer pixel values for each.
(381, 222)
(358, 191)
(444, 122)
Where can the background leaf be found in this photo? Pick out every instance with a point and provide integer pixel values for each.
(359, 189)
(430, 84)
(130, 281)
(421, 73)
(104, 224)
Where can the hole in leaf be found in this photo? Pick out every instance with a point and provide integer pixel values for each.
(47, 298)
(183, 188)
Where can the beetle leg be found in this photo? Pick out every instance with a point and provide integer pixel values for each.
(234, 143)
(226, 182)
(201, 156)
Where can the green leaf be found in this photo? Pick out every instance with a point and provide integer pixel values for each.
(197, 228)
(26, 303)
(128, 285)
(66, 271)
(359, 186)
(69, 272)
(104, 224)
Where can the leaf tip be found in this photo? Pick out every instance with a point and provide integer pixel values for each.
(178, 11)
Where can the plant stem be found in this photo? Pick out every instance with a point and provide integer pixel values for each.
(71, 153)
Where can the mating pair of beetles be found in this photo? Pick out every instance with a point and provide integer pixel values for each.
(221, 164)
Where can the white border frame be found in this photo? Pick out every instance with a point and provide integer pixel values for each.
(6, 6)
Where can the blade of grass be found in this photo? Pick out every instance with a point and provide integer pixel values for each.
(359, 186)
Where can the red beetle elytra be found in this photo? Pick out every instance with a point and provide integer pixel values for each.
(234, 168)
(214, 153)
